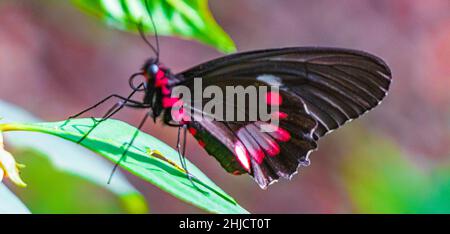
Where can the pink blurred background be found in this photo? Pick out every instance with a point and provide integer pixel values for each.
(55, 61)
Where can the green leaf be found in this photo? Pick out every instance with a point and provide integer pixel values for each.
(148, 158)
(9, 203)
(380, 179)
(185, 18)
(52, 191)
(72, 159)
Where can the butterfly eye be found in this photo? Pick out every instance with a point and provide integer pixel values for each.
(154, 68)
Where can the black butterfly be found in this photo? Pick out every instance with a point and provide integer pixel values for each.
(320, 88)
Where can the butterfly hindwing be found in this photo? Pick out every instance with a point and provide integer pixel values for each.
(217, 140)
(244, 147)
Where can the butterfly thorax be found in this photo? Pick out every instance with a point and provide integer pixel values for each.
(158, 87)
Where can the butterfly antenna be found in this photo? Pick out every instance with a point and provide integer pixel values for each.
(147, 7)
(141, 32)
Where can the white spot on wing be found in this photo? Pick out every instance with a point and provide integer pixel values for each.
(270, 80)
(242, 156)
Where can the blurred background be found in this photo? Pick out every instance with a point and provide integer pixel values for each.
(55, 61)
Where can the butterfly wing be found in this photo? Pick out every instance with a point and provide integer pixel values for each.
(324, 89)
(242, 147)
(337, 85)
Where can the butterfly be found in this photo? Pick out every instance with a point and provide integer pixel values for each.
(321, 89)
(318, 90)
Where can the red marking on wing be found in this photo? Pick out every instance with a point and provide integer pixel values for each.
(279, 115)
(274, 148)
(274, 98)
(201, 143)
(192, 130)
(258, 155)
(265, 141)
(252, 146)
(281, 134)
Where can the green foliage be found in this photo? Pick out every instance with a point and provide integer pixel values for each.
(148, 158)
(387, 182)
(185, 18)
(50, 190)
(70, 159)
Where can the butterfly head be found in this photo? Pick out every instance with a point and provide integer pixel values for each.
(151, 68)
(152, 73)
(157, 86)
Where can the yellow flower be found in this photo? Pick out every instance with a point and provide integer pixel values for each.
(8, 166)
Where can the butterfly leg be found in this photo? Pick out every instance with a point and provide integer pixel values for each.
(125, 101)
(181, 154)
(128, 146)
(112, 111)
